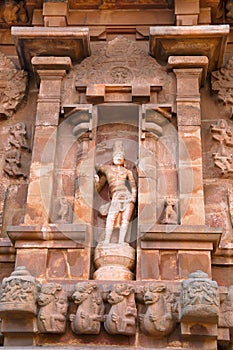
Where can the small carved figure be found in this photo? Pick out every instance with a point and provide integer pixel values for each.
(170, 215)
(64, 210)
(53, 308)
(90, 311)
(122, 199)
(226, 314)
(18, 136)
(222, 83)
(123, 312)
(13, 163)
(158, 319)
(199, 297)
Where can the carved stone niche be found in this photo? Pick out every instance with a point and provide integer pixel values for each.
(52, 301)
(18, 308)
(90, 311)
(121, 318)
(200, 305)
(159, 318)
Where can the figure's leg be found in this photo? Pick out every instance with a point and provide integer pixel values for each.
(126, 216)
(112, 214)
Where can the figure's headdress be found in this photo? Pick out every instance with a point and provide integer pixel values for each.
(118, 148)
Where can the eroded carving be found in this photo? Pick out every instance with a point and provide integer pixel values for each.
(13, 86)
(222, 133)
(53, 309)
(64, 208)
(170, 212)
(122, 315)
(90, 311)
(18, 136)
(19, 292)
(222, 83)
(13, 12)
(199, 298)
(226, 315)
(120, 209)
(159, 319)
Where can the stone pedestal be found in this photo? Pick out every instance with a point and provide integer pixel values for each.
(114, 261)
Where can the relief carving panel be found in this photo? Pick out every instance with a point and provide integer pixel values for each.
(13, 84)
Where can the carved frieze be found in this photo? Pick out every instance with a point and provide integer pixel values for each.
(90, 311)
(199, 298)
(222, 133)
(222, 83)
(121, 318)
(53, 305)
(159, 318)
(12, 85)
(19, 292)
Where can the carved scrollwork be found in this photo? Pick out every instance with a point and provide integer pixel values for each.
(122, 315)
(53, 309)
(159, 319)
(13, 86)
(90, 311)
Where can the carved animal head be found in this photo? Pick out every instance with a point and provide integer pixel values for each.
(153, 292)
(47, 293)
(83, 291)
(119, 292)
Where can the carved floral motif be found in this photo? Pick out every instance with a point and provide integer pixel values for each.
(123, 312)
(12, 86)
(53, 308)
(90, 311)
(159, 319)
(199, 298)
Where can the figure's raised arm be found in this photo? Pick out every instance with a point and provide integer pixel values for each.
(100, 180)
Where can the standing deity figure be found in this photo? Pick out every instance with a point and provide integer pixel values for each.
(123, 192)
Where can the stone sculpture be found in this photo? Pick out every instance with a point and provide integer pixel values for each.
(64, 210)
(53, 309)
(17, 143)
(19, 292)
(18, 136)
(13, 12)
(158, 319)
(122, 315)
(222, 83)
(170, 214)
(90, 311)
(222, 133)
(120, 209)
(199, 298)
